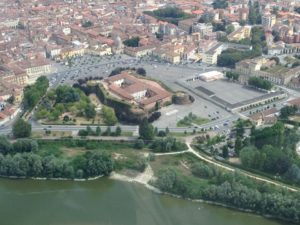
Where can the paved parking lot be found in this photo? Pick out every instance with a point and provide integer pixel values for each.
(89, 66)
(172, 114)
(227, 91)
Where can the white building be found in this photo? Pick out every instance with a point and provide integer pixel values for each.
(210, 76)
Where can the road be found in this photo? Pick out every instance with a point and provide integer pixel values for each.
(126, 128)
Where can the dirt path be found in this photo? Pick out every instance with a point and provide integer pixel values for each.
(142, 178)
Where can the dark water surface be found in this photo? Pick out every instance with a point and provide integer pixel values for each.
(106, 202)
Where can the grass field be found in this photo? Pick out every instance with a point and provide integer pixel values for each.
(124, 154)
(278, 69)
(191, 119)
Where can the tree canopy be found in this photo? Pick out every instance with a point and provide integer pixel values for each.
(146, 130)
(33, 93)
(260, 83)
(132, 42)
(21, 129)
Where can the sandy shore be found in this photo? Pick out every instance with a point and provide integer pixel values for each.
(142, 178)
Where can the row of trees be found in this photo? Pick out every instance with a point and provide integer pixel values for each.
(33, 93)
(140, 71)
(90, 132)
(261, 83)
(32, 165)
(169, 14)
(22, 145)
(168, 144)
(232, 75)
(254, 13)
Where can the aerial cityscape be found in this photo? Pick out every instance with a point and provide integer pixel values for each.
(150, 112)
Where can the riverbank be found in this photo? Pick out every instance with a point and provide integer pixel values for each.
(146, 177)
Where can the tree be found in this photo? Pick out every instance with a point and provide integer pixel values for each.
(5, 145)
(109, 116)
(254, 14)
(287, 111)
(239, 128)
(107, 132)
(90, 111)
(86, 24)
(146, 130)
(167, 131)
(229, 29)
(11, 99)
(206, 18)
(89, 130)
(98, 163)
(232, 75)
(21, 129)
(220, 4)
(83, 133)
(166, 179)
(293, 173)
(225, 152)
(238, 145)
(118, 131)
(139, 144)
(141, 71)
(98, 131)
(132, 42)
(259, 82)
(33, 93)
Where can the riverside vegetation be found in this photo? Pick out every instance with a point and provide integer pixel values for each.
(77, 158)
(185, 176)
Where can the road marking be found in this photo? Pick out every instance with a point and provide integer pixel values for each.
(171, 112)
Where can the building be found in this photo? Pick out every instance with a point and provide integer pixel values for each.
(268, 20)
(144, 93)
(186, 25)
(240, 33)
(211, 56)
(139, 51)
(9, 23)
(8, 89)
(210, 76)
(35, 68)
(266, 69)
(202, 28)
(265, 117)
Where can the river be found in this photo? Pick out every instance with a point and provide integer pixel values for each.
(106, 202)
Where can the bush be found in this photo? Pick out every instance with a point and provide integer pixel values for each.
(167, 144)
(139, 144)
(21, 129)
(83, 133)
(161, 133)
(154, 116)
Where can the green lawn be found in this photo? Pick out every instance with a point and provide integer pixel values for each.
(191, 119)
(125, 156)
(278, 69)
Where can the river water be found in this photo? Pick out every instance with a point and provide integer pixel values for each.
(106, 202)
